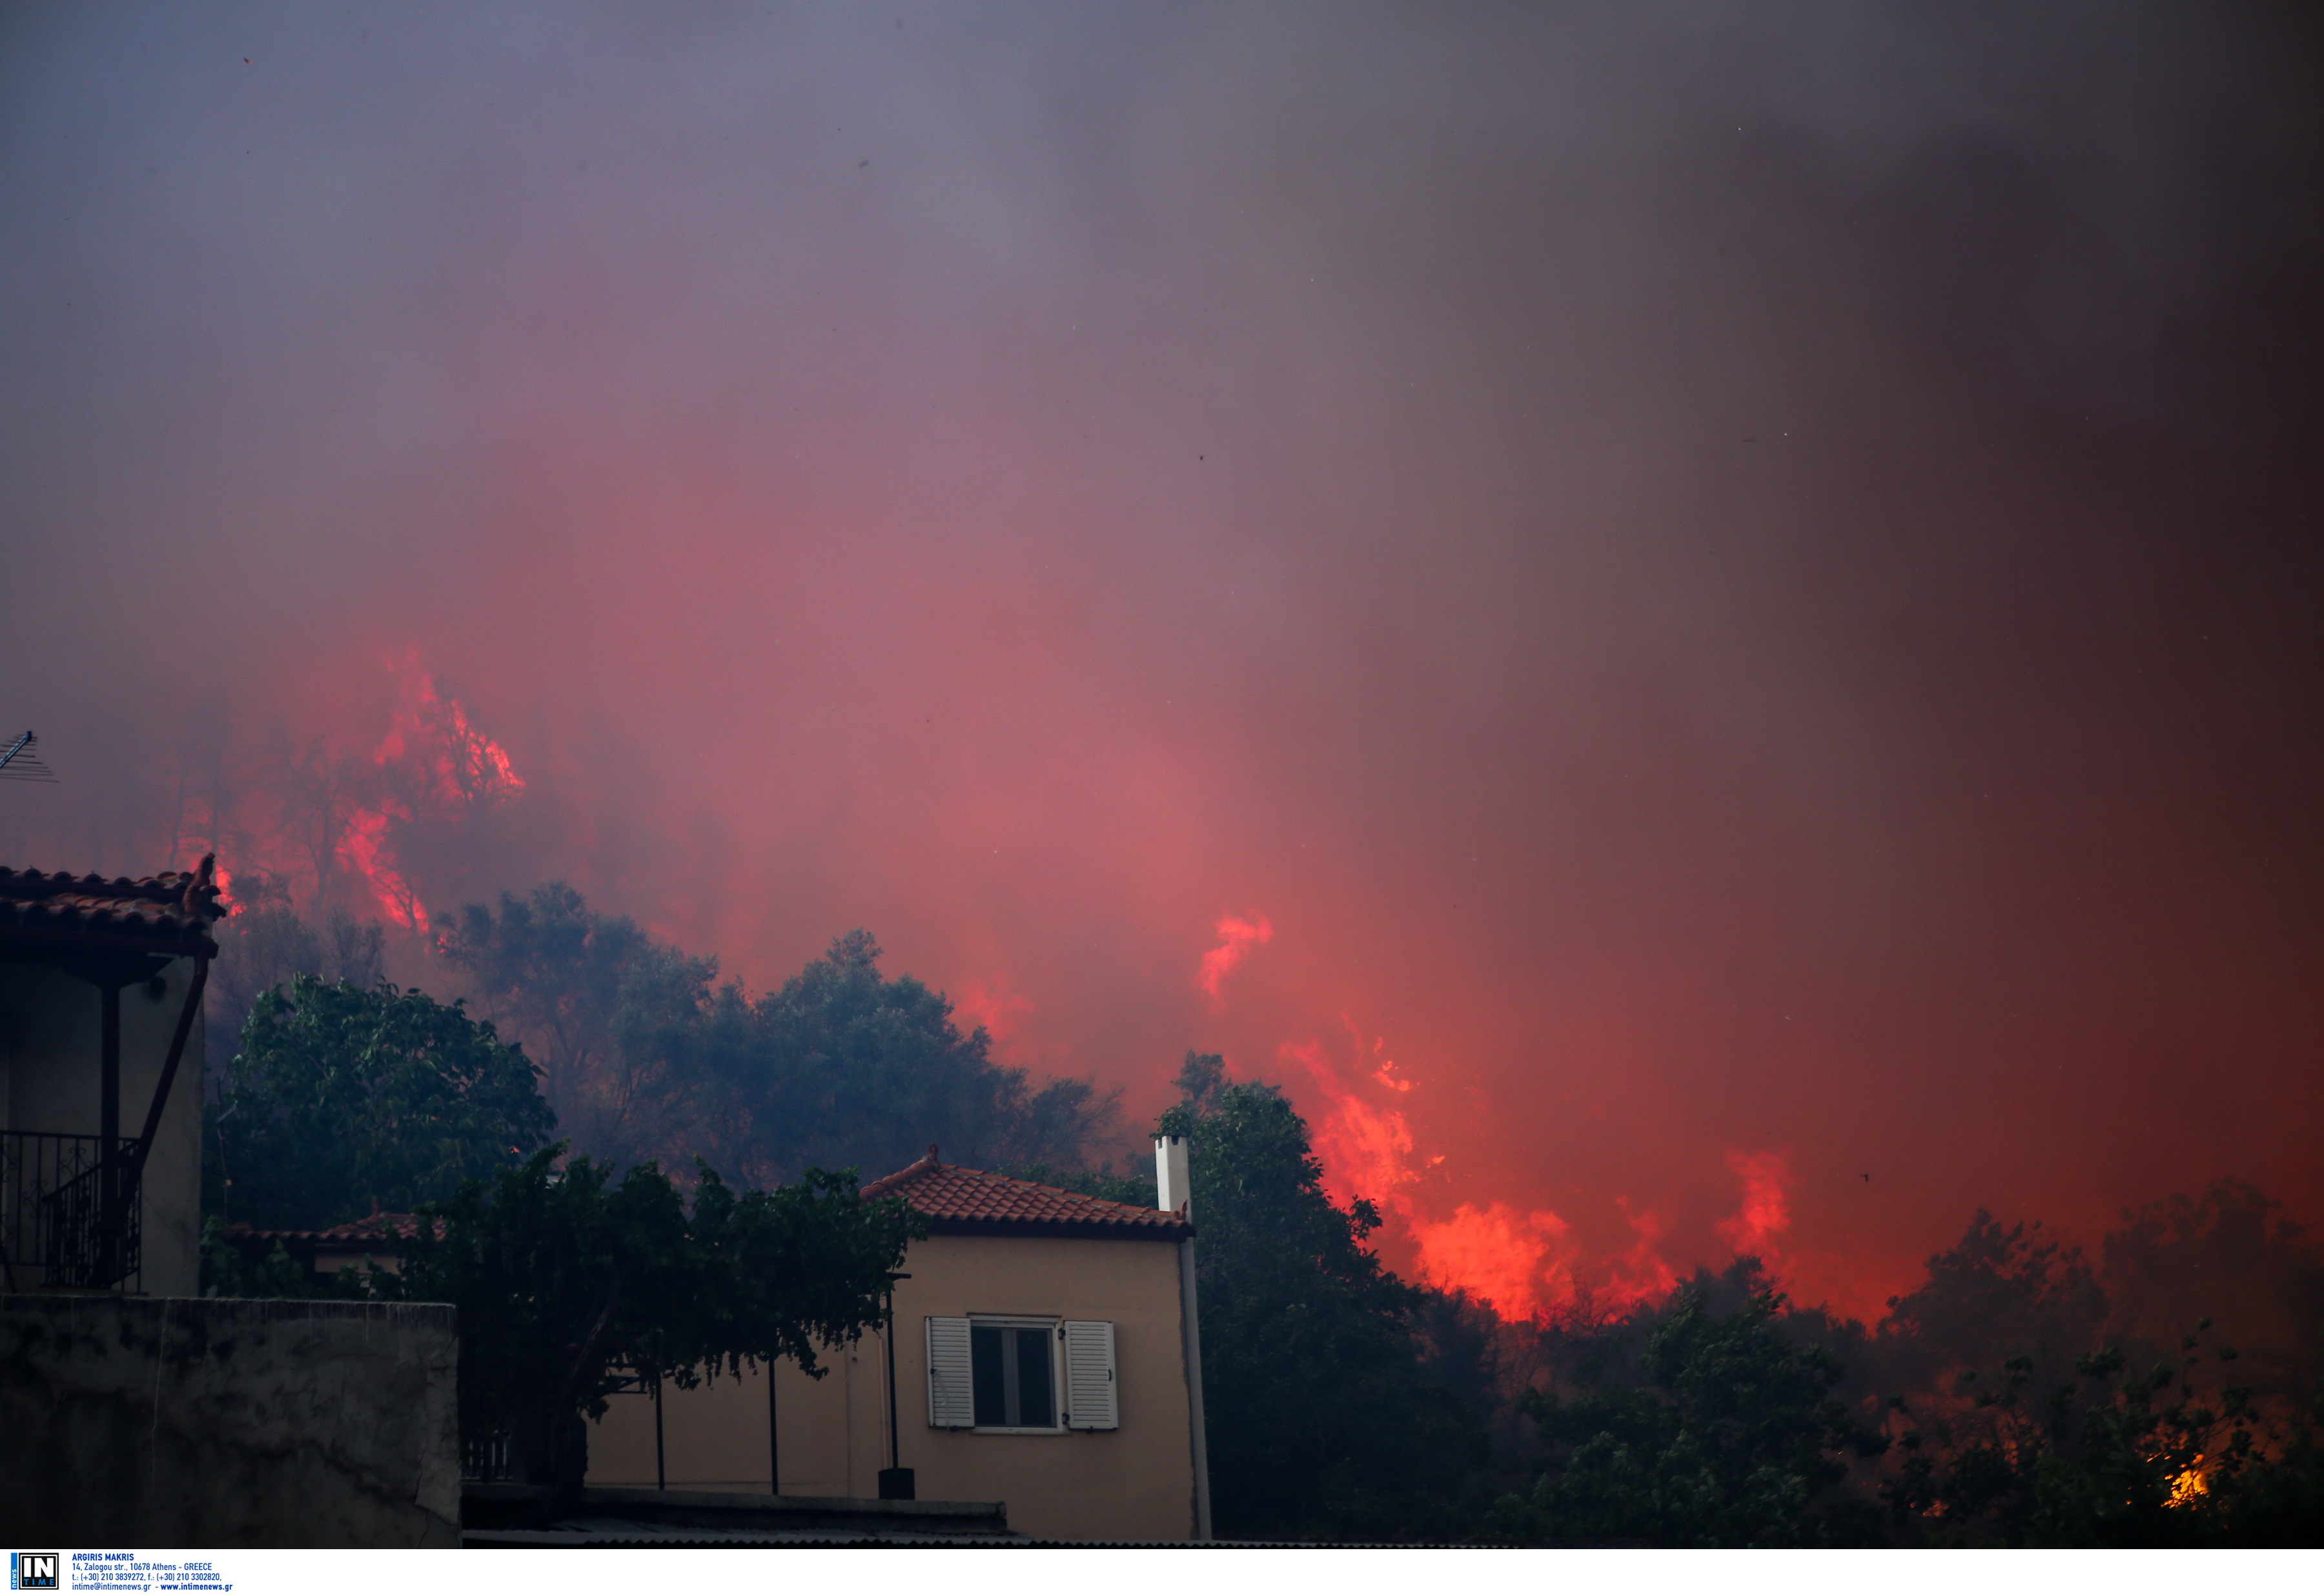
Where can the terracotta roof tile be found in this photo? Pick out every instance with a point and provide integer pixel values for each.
(171, 912)
(973, 1202)
(379, 1231)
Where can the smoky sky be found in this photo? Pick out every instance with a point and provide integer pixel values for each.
(1726, 579)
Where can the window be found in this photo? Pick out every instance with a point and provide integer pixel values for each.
(1003, 1374)
(1010, 1367)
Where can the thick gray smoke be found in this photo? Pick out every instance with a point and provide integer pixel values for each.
(1728, 578)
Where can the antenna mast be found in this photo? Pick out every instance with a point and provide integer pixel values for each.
(18, 762)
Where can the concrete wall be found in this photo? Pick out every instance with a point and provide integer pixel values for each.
(1134, 1483)
(133, 1421)
(48, 1054)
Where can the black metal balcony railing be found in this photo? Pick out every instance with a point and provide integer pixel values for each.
(69, 1214)
(485, 1461)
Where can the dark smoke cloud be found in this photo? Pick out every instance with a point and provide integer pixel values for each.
(1726, 578)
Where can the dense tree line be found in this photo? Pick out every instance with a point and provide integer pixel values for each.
(643, 1052)
(2163, 1392)
(2024, 1394)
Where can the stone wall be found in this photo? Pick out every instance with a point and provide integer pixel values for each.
(160, 1422)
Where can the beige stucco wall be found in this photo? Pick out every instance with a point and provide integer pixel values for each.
(1134, 1483)
(48, 1042)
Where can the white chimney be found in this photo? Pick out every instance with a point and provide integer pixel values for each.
(1174, 1193)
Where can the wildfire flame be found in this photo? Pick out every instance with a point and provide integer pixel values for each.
(1766, 1210)
(1237, 937)
(1366, 1151)
(1516, 1263)
(1521, 1262)
(1641, 1273)
(2189, 1486)
(432, 758)
(993, 1006)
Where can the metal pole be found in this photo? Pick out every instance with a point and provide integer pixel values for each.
(108, 1133)
(896, 1481)
(889, 1338)
(661, 1474)
(108, 1065)
(774, 1455)
(1191, 1328)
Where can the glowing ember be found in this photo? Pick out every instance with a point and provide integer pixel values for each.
(2189, 1486)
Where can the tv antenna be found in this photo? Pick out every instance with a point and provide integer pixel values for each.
(18, 762)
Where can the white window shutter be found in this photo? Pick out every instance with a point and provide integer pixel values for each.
(1090, 1401)
(952, 1393)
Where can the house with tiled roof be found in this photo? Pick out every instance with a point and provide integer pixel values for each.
(322, 1253)
(100, 1072)
(1042, 1354)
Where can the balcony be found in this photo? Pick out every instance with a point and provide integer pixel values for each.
(68, 1212)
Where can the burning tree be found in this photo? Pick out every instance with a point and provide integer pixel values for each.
(1326, 1419)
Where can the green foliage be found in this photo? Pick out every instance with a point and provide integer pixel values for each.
(344, 1101)
(2174, 1454)
(606, 1008)
(2010, 1432)
(2227, 1253)
(571, 1283)
(264, 945)
(844, 1067)
(1728, 1435)
(1325, 1420)
(2000, 1292)
(228, 1270)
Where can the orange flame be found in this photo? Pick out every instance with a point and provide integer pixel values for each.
(1365, 1151)
(1519, 1262)
(1641, 1273)
(228, 902)
(438, 759)
(994, 1007)
(1237, 937)
(2189, 1486)
(1515, 1263)
(1766, 1208)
